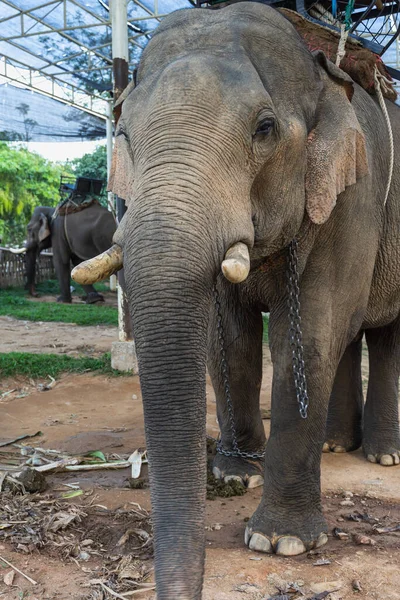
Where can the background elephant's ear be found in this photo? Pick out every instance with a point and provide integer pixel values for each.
(44, 229)
(121, 174)
(336, 151)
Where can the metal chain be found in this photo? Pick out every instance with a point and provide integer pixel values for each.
(296, 344)
(225, 378)
(295, 334)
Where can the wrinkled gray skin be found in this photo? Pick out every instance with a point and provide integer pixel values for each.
(89, 231)
(203, 168)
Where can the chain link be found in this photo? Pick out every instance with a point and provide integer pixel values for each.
(296, 345)
(295, 334)
(227, 388)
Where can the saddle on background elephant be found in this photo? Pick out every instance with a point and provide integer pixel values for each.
(236, 134)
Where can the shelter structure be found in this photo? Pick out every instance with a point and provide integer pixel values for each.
(63, 63)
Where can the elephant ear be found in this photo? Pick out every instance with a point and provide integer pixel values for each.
(336, 150)
(121, 175)
(44, 229)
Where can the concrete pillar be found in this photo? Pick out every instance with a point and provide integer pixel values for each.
(123, 355)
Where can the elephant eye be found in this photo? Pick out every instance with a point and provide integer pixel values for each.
(265, 127)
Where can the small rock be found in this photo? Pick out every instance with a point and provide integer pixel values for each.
(84, 555)
(9, 577)
(356, 585)
(134, 397)
(348, 494)
(347, 503)
(33, 481)
(326, 586)
(87, 542)
(340, 520)
(340, 534)
(363, 540)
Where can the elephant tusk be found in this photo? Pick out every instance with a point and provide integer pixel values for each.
(236, 264)
(98, 268)
(15, 250)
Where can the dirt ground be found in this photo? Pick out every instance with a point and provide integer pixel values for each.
(91, 412)
(55, 338)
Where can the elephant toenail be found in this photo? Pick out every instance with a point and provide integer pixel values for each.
(396, 459)
(326, 448)
(247, 535)
(229, 478)
(216, 473)
(255, 481)
(322, 539)
(386, 460)
(260, 543)
(339, 449)
(371, 458)
(290, 546)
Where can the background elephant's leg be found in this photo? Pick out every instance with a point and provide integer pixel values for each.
(63, 272)
(344, 425)
(91, 294)
(381, 441)
(243, 342)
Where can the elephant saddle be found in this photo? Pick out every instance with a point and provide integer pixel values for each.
(358, 62)
(74, 203)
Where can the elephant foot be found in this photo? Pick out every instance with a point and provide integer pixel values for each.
(64, 300)
(340, 446)
(248, 472)
(94, 297)
(386, 459)
(265, 534)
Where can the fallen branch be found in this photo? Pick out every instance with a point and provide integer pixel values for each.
(32, 581)
(19, 438)
(114, 465)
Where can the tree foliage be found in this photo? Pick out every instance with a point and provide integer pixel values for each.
(93, 165)
(26, 180)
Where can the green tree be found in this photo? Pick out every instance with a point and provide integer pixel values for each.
(93, 165)
(26, 180)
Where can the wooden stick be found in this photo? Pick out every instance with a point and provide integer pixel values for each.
(32, 581)
(115, 465)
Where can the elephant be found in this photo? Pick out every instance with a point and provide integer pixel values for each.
(255, 174)
(85, 234)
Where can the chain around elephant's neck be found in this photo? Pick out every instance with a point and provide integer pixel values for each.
(296, 344)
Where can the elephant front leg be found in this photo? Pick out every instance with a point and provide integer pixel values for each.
(344, 426)
(237, 393)
(289, 519)
(63, 272)
(381, 441)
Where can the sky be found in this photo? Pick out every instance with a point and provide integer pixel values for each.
(63, 151)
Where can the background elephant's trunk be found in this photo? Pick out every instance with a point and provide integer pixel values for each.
(169, 268)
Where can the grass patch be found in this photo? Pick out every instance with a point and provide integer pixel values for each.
(14, 302)
(42, 365)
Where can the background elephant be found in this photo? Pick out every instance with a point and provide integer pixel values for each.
(89, 232)
(237, 133)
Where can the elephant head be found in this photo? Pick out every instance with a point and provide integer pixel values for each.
(234, 135)
(38, 239)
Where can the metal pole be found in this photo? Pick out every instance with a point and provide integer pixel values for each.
(110, 195)
(120, 55)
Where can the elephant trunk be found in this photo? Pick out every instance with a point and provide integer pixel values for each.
(169, 270)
